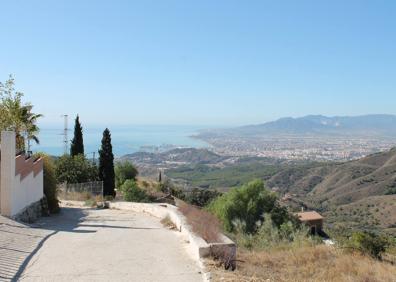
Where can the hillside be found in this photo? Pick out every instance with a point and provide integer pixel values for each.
(359, 193)
(177, 156)
(340, 183)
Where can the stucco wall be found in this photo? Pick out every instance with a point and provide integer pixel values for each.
(21, 180)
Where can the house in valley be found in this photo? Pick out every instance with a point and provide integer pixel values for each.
(312, 219)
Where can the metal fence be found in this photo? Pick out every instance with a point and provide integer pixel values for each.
(89, 188)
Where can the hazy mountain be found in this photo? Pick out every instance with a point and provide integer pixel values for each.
(383, 125)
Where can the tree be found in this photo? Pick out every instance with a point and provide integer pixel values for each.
(31, 128)
(106, 164)
(75, 169)
(124, 171)
(16, 115)
(77, 144)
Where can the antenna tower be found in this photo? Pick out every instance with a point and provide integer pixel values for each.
(65, 138)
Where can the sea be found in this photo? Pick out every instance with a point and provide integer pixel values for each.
(125, 139)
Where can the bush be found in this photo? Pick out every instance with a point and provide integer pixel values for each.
(268, 235)
(50, 183)
(132, 193)
(370, 243)
(124, 171)
(201, 197)
(75, 169)
(248, 204)
(167, 187)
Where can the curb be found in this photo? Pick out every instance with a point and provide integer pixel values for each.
(199, 248)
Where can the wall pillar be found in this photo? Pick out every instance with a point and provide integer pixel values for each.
(7, 175)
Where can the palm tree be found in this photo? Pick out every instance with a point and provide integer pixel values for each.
(17, 116)
(29, 121)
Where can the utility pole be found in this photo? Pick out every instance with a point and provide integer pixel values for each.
(65, 138)
(93, 158)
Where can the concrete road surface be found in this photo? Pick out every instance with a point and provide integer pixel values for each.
(109, 245)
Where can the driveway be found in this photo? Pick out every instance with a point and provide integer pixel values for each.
(109, 245)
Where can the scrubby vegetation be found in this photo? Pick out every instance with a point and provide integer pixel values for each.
(304, 263)
(50, 183)
(273, 246)
(132, 193)
(201, 197)
(247, 206)
(124, 171)
(205, 176)
(196, 197)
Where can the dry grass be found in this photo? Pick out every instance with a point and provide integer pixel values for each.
(151, 188)
(168, 223)
(88, 198)
(202, 223)
(319, 263)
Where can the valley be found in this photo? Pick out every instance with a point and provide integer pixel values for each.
(358, 193)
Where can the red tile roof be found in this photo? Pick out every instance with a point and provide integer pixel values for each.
(308, 216)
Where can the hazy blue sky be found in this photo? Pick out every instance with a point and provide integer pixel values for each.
(200, 62)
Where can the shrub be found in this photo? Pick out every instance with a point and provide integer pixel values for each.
(168, 188)
(123, 171)
(268, 235)
(370, 243)
(168, 223)
(248, 204)
(201, 197)
(50, 182)
(132, 193)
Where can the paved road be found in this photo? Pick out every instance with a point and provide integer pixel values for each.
(17, 243)
(109, 245)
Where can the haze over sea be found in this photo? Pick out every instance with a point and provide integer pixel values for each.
(125, 139)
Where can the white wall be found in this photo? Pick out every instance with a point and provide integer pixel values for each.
(17, 192)
(27, 191)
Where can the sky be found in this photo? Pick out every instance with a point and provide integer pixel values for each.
(200, 62)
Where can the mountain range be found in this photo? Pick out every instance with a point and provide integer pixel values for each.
(365, 125)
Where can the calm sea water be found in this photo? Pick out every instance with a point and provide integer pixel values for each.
(125, 139)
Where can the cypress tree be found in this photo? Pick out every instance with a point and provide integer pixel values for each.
(106, 165)
(77, 144)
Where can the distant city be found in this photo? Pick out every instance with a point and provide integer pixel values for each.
(317, 137)
(300, 148)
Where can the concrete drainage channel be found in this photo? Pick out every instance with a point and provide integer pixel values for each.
(198, 247)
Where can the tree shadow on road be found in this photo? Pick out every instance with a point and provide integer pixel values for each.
(70, 219)
(66, 221)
